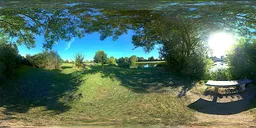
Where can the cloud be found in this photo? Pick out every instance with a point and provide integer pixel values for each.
(69, 44)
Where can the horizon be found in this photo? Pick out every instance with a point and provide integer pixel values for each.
(90, 44)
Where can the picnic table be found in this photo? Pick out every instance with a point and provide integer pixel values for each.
(226, 84)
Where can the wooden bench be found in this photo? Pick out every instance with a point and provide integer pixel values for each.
(226, 84)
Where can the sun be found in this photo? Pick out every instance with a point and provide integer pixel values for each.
(220, 42)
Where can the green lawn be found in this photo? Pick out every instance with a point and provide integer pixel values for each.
(83, 97)
(150, 62)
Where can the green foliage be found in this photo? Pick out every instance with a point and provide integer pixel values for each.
(151, 58)
(196, 67)
(25, 23)
(221, 74)
(9, 61)
(101, 57)
(61, 21)
(163, 64)
(185, 55)
(132, 61)
(140, 59)
(79, 58)
(52, 60)
(112, 61)
(49, 60)
(66, 61)
(123, 62)
(242, 59)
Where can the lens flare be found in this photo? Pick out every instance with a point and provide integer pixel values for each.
(220, 42)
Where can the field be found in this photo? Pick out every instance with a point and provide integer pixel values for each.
(117, 97)
(90, 96)
(150, 62)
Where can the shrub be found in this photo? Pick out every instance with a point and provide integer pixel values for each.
(112, 61)
(123, 62)
(163, 64)
(183, 60)
(9, 61)
(221, 74)
(52, 60)
(49, 60)
(132, 61)
(242, 60)
(79, 60)
(196, 67)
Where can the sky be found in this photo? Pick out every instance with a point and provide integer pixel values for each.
(90, 44)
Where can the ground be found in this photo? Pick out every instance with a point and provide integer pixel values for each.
(118, 96)
(230, 108)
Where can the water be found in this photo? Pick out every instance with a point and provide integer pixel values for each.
(219, 66)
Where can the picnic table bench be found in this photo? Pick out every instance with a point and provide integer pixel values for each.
(226, 84)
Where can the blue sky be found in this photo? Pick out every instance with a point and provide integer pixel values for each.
(88, 45)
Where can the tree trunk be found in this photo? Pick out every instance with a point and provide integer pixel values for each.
(102, 66)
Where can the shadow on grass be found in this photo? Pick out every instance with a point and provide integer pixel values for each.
(38, 87)
(238, 102)
(143, 80)
(66, 67)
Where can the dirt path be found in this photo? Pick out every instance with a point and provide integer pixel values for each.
(230, 110)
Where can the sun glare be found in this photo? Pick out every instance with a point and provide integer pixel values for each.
(220, 42)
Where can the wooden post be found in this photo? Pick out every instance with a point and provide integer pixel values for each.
(216, 89)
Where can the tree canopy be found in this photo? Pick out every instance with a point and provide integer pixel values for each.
(150, 21)
(133, 59)
(181, 28)
(100, 57)
(112, 60)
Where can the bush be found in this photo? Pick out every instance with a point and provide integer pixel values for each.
(9, 61)
(221, 74)
(163, 64)
(186, 61)
(49, 60)
(79, 60)
(242, 60)
(112, 65)
(123, 62)
(132, 61)
(112, 61)
(196, 67)
(52, 60)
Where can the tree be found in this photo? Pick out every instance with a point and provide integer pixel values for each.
(24, 21)
(112, 61)
(101, 57)
(51, 60)
(132, 60)
(79, 58)
(178, 29)
(8, 61)
(140, 59)
(66, 61)
(46, 59)
(123, 62)
(151, 58)
(242, 60)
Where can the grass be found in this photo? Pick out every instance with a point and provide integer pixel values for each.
(150, 62)
(90, 96)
